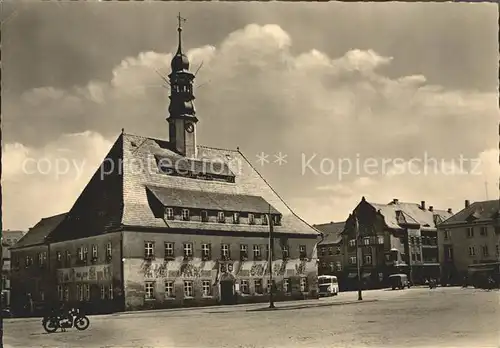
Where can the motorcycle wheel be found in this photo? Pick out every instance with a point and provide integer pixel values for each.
(82, 323)
(50, 326)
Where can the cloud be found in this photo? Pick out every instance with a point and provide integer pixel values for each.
(254, 92)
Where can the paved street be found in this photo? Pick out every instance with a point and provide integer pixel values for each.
(444, 317)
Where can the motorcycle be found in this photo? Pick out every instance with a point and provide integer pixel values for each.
(75, 319)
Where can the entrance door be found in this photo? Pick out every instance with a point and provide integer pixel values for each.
(227, 292)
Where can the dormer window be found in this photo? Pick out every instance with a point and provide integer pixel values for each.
(264, 219)
(204, 216)
(169, 213)
(221, 217)
(251, 219)
(277, 220)
(236, 218)
(185, 214)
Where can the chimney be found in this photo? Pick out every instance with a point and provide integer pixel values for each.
(395, 201)
(449, 211)
(422, 205)
(467, 203)
(431, 208)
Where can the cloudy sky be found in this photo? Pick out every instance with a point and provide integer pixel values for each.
(382, 87)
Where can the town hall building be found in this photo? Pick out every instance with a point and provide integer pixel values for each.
(174, 224)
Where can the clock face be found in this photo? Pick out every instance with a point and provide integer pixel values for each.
(189, 127)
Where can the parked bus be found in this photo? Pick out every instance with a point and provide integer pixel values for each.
(328, 285)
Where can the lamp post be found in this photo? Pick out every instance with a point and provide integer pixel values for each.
(271, 247)
(358, 266)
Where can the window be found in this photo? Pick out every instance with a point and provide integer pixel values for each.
(68, 259)
(472, 251)
(185, 214)
(188, 249)
(103, 292)
(244, 288)
(339, 266)
(58, 257)
(332, 266)
(484, 231)
(206, 251)
(413, 257)
(366, 241)
(352, 260)
(286, 286)
(220, 217)
(367, 260)
(258, 286)
(380, 240)
(330, 251)
(352, 243)
(85, 253)
(149, 249)
(204, 216)
(446, 234)
(108, 251)
(470, 232)
(188, 288)
(66, 294)
(170, 213)
(498, 249)
(169, 250)
(251, 219)
(302, 251)
(243, 251)
(149, 290)
(206, 288)
(322, 251)
(236, 218)
(79, 292)
(485, 250)
(303, 284)
(256, 252)
(285, 251)
(42, 258)
(449, 254)
(277, 220)
(224, 251)
(419, 257)
(80, 254)
(338, 251)
(94, 251)
(86, 288)
(60, 293)
(169, 289)
(323, 265)
(264, 219)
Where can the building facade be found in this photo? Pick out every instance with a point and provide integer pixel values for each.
(173, 224)
(9, 239)
(31, 279)
(469, 240)
(396, 237)
(330, 249)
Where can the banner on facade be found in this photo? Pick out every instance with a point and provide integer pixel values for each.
(85, 274)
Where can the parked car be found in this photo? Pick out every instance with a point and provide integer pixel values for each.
(399, 281)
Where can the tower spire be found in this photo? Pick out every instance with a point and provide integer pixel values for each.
(179, 30)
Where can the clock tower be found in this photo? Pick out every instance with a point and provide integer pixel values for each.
(182, 114)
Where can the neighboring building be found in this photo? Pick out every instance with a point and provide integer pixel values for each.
(9, 238)
(172, 224)
(469, 240)
(30, 274)
(394, 238)
(330, 248)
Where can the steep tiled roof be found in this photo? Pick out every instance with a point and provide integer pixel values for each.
(8, 237)
(197, 199)
(396, 214)
(332, 232)
(140, 170)
(477, 211)
(38, 233)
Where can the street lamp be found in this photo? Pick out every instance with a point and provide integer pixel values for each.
(356, 230)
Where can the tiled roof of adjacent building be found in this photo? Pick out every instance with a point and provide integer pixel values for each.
(9, 238)
(475, 212)
(398, 213)
(332, 232)
(37, 234)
